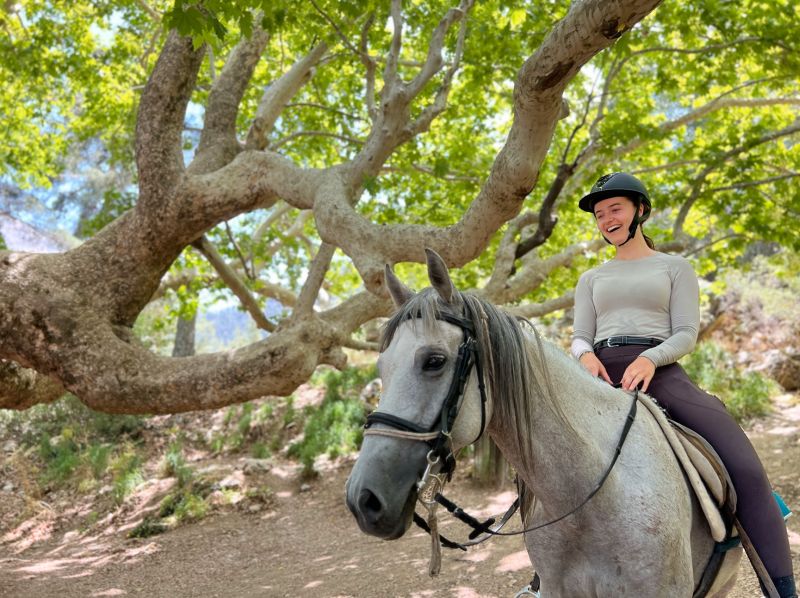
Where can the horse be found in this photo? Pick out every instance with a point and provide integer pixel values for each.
(641, 534)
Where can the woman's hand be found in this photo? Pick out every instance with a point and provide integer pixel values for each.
(641, 370)
(594, 366)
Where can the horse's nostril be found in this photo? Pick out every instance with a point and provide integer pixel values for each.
(370, 505)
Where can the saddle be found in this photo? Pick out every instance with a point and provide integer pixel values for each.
(714, 491)
(703, 468)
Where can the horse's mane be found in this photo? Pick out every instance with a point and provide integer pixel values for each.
(510, 366)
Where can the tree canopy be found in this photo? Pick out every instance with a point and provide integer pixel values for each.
(284, 152)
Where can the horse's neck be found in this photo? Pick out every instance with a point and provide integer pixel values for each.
(572, 435)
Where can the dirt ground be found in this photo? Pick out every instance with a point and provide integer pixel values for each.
(303, 542)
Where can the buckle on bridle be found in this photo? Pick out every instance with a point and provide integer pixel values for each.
(430, 484)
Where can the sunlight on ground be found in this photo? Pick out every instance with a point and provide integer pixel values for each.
(794, 538)
(516, 561)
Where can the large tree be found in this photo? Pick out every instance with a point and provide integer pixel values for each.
(341, 136)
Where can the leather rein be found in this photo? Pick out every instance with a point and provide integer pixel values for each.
(441, 454)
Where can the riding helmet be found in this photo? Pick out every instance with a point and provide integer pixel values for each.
(619, 184)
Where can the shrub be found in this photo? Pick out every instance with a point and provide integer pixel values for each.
(746, 395)
(334, 428)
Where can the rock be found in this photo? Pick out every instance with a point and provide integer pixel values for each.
(256, 465)
(305, 487)
(783, 367)
(8, 487)
(371, 394)
(235, 480)
(10, 446)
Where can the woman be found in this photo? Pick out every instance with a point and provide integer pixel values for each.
(635, 316)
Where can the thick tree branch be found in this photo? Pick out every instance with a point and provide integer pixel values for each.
(390, 77)
(369, 66)
(159, 157)
(434, 60)
(536, 310)
(21, 387)
(316, 276)
(234, 282)
(357, 310)
(278, 94)
(423, 122)
(218, 143)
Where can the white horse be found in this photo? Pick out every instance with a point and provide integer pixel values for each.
(641, 535)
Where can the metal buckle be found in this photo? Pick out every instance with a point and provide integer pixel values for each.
(611, 343)
(430, 483)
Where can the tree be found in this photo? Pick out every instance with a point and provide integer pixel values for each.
(395, 129)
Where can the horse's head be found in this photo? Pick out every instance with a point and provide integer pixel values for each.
(429, 367)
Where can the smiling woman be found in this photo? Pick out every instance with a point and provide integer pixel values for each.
(635, 316)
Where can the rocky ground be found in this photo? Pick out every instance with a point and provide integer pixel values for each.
(296, 539)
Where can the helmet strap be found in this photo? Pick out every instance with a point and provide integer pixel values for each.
(634, 223)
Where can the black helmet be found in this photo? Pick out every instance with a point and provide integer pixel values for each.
(619, 184)
(613, 185)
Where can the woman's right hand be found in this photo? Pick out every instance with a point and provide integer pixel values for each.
(594, 366)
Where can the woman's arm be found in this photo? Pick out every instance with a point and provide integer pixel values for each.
(584, 326)
(684, 311)
(585, 318)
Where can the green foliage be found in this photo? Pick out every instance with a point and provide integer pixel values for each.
(174, 465)
(334, 428)
(2, 243)
(127, 473)
(74, 444)
(746, 395)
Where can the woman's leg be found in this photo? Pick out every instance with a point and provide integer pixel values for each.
(757, 510)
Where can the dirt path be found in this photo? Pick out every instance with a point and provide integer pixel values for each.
(305, 543)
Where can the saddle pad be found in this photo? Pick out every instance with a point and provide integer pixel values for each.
(708, 465)
(708, 504)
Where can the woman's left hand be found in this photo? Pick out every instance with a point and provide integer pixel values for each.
(641, 370)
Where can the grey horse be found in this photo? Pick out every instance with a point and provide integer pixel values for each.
(641, 535)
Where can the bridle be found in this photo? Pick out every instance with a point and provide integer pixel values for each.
(438, 436)
(441, 453)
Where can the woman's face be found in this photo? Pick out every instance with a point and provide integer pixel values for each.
(614, 216)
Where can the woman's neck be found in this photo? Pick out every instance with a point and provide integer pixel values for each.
(634, 249)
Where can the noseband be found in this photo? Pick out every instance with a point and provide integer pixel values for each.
(438, 436)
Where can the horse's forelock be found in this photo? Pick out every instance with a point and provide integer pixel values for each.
(423, 308)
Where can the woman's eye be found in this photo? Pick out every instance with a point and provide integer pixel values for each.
(434, 362)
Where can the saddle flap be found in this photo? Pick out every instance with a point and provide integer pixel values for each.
(708, 504)
(709, 465)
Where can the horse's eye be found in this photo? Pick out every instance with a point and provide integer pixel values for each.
(434, 362)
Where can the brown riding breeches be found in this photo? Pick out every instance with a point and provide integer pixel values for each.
(684, 402)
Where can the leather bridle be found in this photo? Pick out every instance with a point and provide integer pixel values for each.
(441, 443)
(438, 436)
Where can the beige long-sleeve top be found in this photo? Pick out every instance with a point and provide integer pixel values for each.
(656, 296)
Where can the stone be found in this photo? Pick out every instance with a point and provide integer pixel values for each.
(784, 368)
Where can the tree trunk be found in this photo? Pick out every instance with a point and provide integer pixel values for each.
(184, 336)
(490, 467)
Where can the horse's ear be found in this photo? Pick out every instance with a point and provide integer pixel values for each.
(400, 293)
(438, 275)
